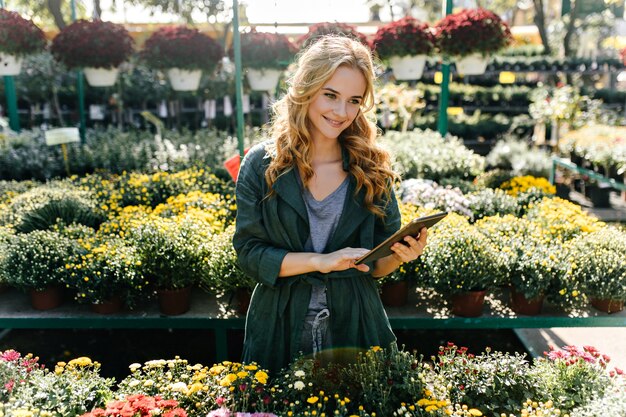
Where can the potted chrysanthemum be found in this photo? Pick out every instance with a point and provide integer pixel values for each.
(404, 44)
(318, 30)
(18, 37)
(469, 37)
(96, 46)
(265, 56)
(183, 53)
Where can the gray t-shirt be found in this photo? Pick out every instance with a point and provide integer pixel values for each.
(323, 219)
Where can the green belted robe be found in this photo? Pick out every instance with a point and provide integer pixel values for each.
(267, 229)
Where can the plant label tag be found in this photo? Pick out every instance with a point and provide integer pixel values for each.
(96, 112)
(62, 135)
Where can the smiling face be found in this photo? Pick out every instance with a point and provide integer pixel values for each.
(336, 104)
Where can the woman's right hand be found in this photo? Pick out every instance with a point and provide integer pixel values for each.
(340, 260)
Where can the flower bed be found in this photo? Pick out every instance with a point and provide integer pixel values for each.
(457, 383)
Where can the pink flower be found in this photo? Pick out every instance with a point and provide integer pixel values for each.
(10, 355)
(221, 412)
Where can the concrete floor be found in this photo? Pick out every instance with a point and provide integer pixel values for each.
(608, 340)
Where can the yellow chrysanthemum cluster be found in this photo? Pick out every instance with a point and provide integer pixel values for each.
(518, 185)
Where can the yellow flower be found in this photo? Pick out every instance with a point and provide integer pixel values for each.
(431, 408)
(261, 377)
(242, 374)
(312, 400)
(228, 380)
(376, 348)
(82, 361)
(475, 412)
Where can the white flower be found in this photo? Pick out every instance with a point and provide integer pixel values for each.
(299, 374)
(179, 386)
(148, 383)
(134, 383)
(134, 366)
(299, 385)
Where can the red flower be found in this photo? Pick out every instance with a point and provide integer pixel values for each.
(19, 36)
(182, 47)
(471, 31)
(318, 30)
(10, 355)
(95, 44)
(265, 50)
(407, 36)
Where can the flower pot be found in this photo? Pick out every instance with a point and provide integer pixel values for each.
(468, 304)
(184, 80)
(394, 294)
(599, 196)
(607, 306)
(264, 79)
(10, 64)
(243, 296)
(474, 64)
(111, 306)
(407, 67)
(101, 77)
(47, 299)
(174, 302)
(521, 305)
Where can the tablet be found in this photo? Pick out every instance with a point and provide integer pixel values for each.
(412, 228)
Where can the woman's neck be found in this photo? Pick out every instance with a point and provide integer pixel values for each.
(325, 152)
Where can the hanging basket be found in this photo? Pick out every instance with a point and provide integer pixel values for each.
(408, 67)
(474, 64)
(184, 80)
(264, 79)
(10, 64)
(101, 77)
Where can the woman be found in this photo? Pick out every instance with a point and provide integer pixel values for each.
(312, 200)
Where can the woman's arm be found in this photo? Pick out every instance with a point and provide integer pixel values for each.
(295, 263)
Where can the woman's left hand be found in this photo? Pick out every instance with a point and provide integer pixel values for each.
(411, 249)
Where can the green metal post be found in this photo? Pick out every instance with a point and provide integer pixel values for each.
(442, 121)
(238, 76)
(9, 88)
(566, 7)
(80, 89)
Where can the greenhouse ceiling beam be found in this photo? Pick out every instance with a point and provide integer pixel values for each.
(442, 120)
(9, 91)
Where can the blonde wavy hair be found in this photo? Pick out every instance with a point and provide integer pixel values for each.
(292, 147)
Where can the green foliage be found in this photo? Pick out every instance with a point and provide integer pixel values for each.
(493, 382)
(597, 261)
(451, 158)
(37, 260)
(493, 178)
(223, 273)
(72, 390)
(42, 207)
(106, 268)
(571, 377)
(173, 251)
(491, 202)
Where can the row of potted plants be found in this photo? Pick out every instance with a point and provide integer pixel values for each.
(574, 381)
(102, 46)
(179, 217)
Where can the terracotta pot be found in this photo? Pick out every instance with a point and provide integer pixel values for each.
(243, 296)
(47, 299)
(174, 302)
(394, 294)
(468, 304)
(112, 306)
(521, 305)
(607, 306)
